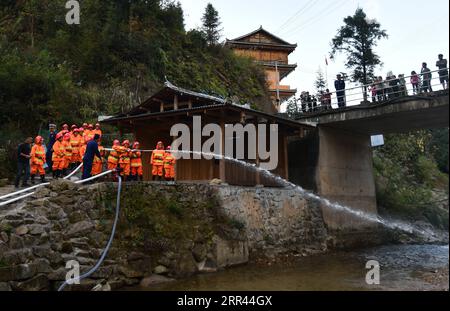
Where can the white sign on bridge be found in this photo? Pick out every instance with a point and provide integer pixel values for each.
(377, 141)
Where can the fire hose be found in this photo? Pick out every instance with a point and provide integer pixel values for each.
(111, 238)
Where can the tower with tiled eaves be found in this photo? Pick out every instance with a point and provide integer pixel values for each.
(272, 53)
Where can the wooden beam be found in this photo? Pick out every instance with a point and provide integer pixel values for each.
(211, 169)
(222, 164)
(302, 132)
(286, 158)
(258, 175)
(175, 102)
(243, 117)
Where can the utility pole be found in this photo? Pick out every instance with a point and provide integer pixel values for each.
(278, 85)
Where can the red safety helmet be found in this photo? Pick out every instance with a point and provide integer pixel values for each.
(59, 136)
(136, 144)
(76, 130)
(116, 142)
(85, 125)
(38, 139)
(169, 148)
(73, 127)
(81, 129)
(90, 126)
(160, 145)
(67, 136)
(97, 125)
(126, 142)
(66, 126)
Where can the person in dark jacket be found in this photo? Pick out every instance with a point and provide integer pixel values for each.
(426, 78)
(340, 91)
(51, 142)
(23, 162)
(88, 159)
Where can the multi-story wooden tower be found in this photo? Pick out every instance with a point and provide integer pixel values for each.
(271, 52)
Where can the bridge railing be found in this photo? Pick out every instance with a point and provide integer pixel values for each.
(374, 92)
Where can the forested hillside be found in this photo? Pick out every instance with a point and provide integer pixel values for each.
(120, 53)
(411, 173)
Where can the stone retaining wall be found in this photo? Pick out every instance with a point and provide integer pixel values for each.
(170, 231)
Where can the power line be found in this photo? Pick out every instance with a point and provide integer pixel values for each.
(331, 9)
(301, 11)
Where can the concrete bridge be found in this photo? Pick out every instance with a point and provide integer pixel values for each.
(338, 156)
(400, 115)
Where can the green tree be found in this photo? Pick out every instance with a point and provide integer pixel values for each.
(116, 58)
(439, 148)
(357, 39)
(211, 25)
(407, 177)
(292, 108)
(320, 82)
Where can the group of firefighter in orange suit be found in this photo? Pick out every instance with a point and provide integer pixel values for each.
(129, 159)
(69, 148)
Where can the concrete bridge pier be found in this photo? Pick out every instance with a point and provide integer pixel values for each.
(344, 174)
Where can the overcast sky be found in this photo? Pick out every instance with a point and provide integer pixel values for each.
(418, 30)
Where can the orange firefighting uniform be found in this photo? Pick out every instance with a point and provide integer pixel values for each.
(67, 153)
(136, 163)
(76, 141)
(113, 158)
(97, 166)
(157, 162)
(58, 156)
(124, 160)
(82, 151)
(169, 166)
(88, 135)
(37, 159)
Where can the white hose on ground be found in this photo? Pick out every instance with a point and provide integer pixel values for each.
(22, 191)
(34, 187)
(108, 246)
(74, 172)
(17, 199)
(94, 177)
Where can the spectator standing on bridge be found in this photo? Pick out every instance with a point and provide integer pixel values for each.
(394, 86)
(402, 85)
(443, 71)
(415, 81)
(373, 90)
(339, 84)
(426, 78)
(23, 162)
(303, 102)
(327, 97)
(388, 86)
(380, 89)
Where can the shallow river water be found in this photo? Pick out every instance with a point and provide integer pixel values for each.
(406, 267)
